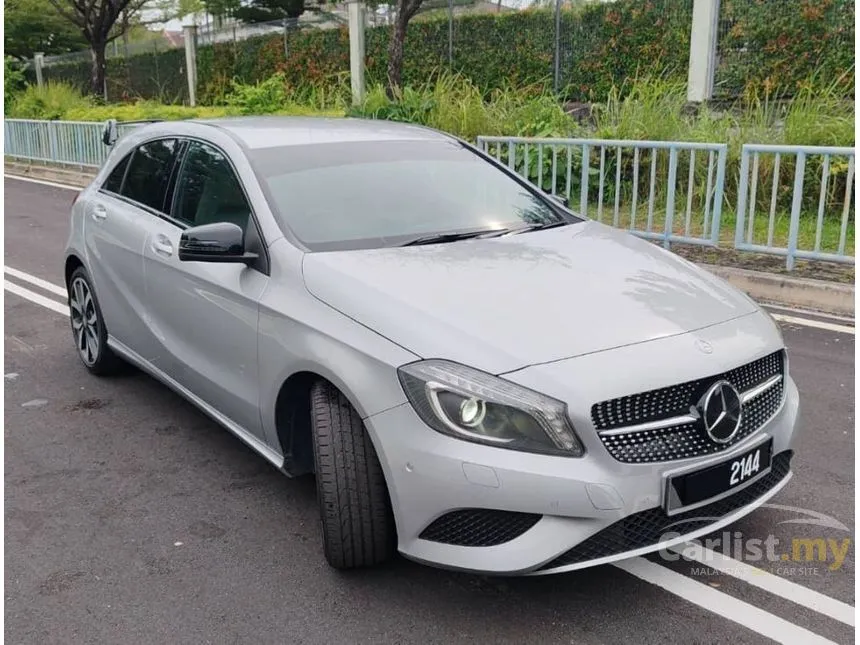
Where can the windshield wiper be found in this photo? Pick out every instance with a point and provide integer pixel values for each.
(439, 238)
(542, 227)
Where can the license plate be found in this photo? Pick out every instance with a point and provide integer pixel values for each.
(702, 485)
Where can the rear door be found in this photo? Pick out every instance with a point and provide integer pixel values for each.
(117, 221)
(205, 314)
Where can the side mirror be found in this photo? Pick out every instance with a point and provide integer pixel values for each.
(217, 242)
(110, 132)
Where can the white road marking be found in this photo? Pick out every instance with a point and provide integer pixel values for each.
(818, 324)
(728, 607)
(43, 182)
(34, 297)
(809, 312)
(762, 579)
(42, 284)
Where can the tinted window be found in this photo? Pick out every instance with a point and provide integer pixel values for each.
(114, 180)
(149, 173)
(373, 194)
(208, 190)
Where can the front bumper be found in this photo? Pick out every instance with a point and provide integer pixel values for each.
(539, 514)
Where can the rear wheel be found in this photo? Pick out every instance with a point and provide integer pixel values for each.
(357, 523)
(88, 328)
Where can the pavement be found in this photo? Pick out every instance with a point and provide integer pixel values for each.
(133, 518)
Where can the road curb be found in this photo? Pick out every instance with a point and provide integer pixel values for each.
(805, 293)
(76, 177)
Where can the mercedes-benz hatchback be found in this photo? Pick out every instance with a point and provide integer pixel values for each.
(478, 378)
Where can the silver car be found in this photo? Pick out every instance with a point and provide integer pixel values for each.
(479, 378)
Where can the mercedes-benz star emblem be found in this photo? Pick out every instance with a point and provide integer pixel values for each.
(704, 346)
(721, 410)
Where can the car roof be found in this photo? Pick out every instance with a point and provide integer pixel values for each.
(277, 131)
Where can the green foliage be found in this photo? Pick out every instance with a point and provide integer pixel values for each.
(13, 81)
(778, 48)
(603, 45)
(264, 97)
(52, 101)
(157, 76)
(32, 26)
(453, 103)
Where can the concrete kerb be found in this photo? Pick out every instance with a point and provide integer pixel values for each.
(71, 175)
(804, 293)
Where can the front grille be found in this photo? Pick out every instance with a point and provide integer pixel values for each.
(646, 528)
(689, 439)
(479, 527)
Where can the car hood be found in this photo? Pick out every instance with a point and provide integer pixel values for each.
(501, 304)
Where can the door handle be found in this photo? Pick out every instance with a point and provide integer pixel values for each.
(162, 246)
(99, 212)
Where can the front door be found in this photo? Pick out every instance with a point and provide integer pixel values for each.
(205, 314)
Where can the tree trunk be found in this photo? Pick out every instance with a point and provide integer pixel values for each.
(97, 78)
(395, 55)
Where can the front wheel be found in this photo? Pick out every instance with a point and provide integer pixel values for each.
(357, 523)
(88, 329)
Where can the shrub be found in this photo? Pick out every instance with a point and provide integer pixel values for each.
(13, 81)
(51, 101)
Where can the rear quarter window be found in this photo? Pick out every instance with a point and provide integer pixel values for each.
(114, 180)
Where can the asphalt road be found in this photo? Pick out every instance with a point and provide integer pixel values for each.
(132, 518)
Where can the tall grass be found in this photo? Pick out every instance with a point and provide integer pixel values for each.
(51, 101)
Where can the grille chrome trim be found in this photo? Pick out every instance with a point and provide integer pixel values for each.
(750, 394)
(652, 425)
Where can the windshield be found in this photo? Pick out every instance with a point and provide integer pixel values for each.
(388, 193)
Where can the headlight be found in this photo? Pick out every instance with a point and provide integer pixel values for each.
(471, 405)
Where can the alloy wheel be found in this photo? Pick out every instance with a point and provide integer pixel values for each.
(85, 321)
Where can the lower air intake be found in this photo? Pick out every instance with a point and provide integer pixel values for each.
(646, 528)
(479, 527)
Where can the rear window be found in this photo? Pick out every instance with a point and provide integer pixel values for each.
(149, 173)
(376, 194)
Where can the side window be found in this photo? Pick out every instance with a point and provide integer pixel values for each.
(114, 180)
(149, 173)
(208, 190)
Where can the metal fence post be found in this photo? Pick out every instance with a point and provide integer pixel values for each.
(356, 51)
(38, 63)
(743, 187)
(703, 46)
(670, 198)
(719, 190)
(796, 202)
(191, 61)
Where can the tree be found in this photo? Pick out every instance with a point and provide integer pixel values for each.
(35, 26)
(100, 22)
(405, 10)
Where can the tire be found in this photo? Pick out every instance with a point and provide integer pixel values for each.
(90, 335)
(357, 522)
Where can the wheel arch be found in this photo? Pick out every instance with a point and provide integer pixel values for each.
(292, 415)
(73, 262)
